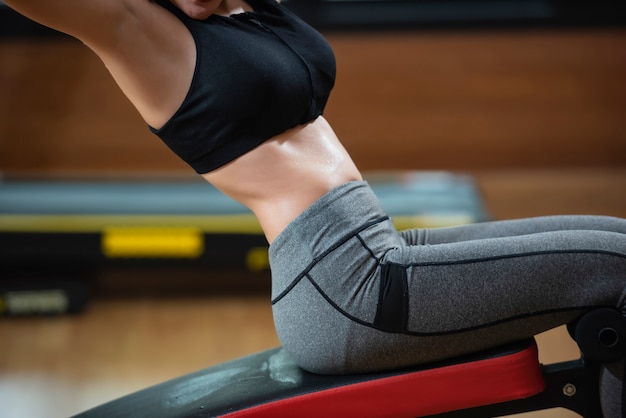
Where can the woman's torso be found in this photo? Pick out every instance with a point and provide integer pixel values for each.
(283, 176)
(278, 179)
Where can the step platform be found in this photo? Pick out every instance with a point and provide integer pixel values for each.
(188, 221)
(270, 384)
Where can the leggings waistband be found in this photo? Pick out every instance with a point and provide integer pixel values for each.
(337, 214)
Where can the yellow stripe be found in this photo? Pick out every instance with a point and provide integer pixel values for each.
(152, 242)
(228, 224)
(431, 221)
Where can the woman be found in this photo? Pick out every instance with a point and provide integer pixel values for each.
(237, 89)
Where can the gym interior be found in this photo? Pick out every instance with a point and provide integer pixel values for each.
(487, 109)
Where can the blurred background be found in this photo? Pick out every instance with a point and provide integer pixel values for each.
(528, 98)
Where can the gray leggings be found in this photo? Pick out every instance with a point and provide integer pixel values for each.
(350, 294)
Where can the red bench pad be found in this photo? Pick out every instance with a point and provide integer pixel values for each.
(270, 384)
(510, 375)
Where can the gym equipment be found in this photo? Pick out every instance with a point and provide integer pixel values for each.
(498, 382)
(56, 235)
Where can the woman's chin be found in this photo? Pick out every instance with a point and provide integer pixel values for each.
(197, 9)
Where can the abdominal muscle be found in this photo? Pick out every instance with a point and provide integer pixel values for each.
(283, 176)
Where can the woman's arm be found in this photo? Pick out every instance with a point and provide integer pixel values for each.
(148, 51)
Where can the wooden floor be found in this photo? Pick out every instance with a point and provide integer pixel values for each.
(54, 367)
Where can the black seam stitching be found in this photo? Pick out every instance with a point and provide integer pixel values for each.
(337, 307)
(369, 250)
(332, 248)
(510, 256)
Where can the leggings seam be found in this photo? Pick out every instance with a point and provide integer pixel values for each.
(369, 250)
(332, 248)
(337, 307)
(509, 256)
(455, 331)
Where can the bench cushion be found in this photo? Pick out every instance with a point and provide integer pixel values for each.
(270, 384)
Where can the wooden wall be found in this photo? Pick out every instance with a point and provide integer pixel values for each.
(410, 100)
(482, 100)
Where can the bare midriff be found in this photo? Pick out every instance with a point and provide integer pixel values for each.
(282, 177)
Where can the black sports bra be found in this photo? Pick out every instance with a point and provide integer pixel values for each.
(257, 75)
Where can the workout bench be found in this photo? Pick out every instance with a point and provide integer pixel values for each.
(497, 382)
